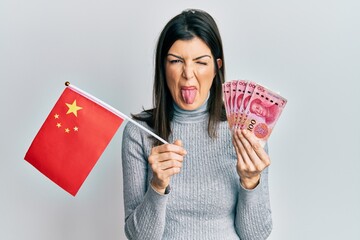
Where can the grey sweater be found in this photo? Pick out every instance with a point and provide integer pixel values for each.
(206, 199)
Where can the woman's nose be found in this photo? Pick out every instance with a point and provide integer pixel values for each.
(188, 72)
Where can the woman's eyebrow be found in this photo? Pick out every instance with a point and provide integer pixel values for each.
(197, 58)
(202, 57)
(170, 54)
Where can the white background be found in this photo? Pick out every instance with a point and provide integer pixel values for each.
(307, 50)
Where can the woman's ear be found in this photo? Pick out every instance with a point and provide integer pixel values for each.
(219, 62)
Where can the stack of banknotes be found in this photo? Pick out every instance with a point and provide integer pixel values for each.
(253, 107)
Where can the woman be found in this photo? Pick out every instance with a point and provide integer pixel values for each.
(209, 183)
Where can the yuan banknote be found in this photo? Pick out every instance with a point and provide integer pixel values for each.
(226, 95)
(240, 91)
(262, 111)
(247, 95)
(233, 106)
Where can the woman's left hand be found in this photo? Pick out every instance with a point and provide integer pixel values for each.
(251, 158)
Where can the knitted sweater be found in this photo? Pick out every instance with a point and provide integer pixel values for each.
(205, 200)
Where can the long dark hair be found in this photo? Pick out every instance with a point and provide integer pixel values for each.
(185, 26)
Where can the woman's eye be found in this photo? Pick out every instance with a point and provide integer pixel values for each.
(202, 63)
(175, 61)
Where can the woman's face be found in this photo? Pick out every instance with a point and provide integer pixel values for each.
(190, 72)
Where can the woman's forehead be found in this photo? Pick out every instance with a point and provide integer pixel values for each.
(194, 48)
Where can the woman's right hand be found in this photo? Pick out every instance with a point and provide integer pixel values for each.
(165, 160)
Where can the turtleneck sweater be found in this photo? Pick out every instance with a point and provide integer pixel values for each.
(205, 200)
(185, 116)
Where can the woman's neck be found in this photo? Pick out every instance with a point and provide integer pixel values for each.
(191, 116)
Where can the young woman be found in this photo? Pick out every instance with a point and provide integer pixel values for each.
(210, 183)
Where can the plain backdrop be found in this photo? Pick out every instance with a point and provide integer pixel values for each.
(308, 50)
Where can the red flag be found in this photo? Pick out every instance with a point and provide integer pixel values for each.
(72, 139)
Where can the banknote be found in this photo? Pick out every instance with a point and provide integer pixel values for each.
(247, 95)
(262, 111)
(233, 88)
(226, 95)
(240, 91)
(253, 107)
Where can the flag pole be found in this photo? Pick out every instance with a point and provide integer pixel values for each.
(113, 110)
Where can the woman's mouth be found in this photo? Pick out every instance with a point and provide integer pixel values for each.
(188, 94)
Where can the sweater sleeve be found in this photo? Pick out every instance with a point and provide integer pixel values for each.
(144, 207)
(253, 213)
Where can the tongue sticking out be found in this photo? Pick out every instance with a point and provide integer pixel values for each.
(188, 95)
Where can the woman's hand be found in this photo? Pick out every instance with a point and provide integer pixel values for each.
(252, 158)
(165, 160)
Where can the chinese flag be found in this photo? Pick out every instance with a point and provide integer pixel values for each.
(72, 139)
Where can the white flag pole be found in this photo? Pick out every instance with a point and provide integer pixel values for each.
(113, 110)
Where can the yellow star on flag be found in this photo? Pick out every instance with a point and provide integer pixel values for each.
(73, 108)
